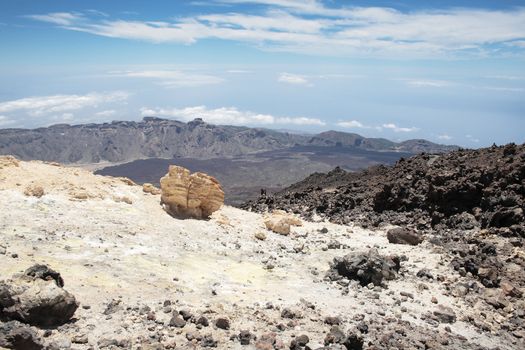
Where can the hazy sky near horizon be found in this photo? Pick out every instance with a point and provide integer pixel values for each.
(448, 71)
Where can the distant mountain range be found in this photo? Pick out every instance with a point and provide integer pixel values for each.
(123, 141)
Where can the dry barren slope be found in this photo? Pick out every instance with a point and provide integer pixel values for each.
(114, 245)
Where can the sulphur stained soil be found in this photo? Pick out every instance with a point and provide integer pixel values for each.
(131, 266)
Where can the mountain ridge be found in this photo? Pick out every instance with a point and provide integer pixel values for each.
(122, 141)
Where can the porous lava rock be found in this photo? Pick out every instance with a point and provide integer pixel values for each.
(369, 267)
(36, 297)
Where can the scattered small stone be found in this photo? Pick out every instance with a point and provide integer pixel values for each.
(177, 321)
(245, 337)
(445, 314)
(260, 235)
(288, 313)
(208, 342)
(425, 273)
(185, 314)
(222, 323)
(202, 321)
(332, 320)
(107, 342)
(299, 342)
(80, 339)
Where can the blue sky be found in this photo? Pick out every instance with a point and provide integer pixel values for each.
(447, 71)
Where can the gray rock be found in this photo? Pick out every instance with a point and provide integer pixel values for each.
(222, 323)
(37, 298)
(177, 321)
(445, 314)
(366, 268)
(14, 335)
(401, 235)
(245, 337)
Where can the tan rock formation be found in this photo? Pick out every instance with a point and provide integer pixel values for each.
(8, 161)
(280, 222)
(34, 190)
(149, 188)
(195, 195)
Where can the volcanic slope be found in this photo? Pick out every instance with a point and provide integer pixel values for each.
(468, 203)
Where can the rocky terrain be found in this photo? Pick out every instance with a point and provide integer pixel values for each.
(468, 204)
(124, 141)
(242, 177)
(94, 262)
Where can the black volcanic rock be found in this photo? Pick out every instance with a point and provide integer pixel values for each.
(461, 189)
(366, 268)
(121, 141)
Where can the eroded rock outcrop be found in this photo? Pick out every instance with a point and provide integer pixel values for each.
(280, 222)
(187, 195)
(36, 297)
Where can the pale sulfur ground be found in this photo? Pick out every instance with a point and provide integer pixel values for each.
(106, 248)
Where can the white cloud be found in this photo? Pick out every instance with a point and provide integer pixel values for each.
(45, 105)
(429, 83)
(238, 71)
(352, 124)
(106, 113)
(503, 88)
(294, 79)
(444, 137)
(395, 128)
(172, 78)
(311, 27)
(228, 115)
(60, 18)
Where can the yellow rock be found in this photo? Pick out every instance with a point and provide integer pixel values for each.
(280, 222)
(8, 161)
(34, 191)
(186, 195)
(260, 235)
(149, 188)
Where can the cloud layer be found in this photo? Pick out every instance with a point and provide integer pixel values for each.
(312, 27)
(228, 115)
(43, 105)
(171, 78)
(354, 124)
(59, 108)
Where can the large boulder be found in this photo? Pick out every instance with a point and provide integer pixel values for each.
(187, 195)
(36, 297)
(280, 222)
(366, 268)
(400, 235)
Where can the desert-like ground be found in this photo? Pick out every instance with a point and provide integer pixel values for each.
(131, 266)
